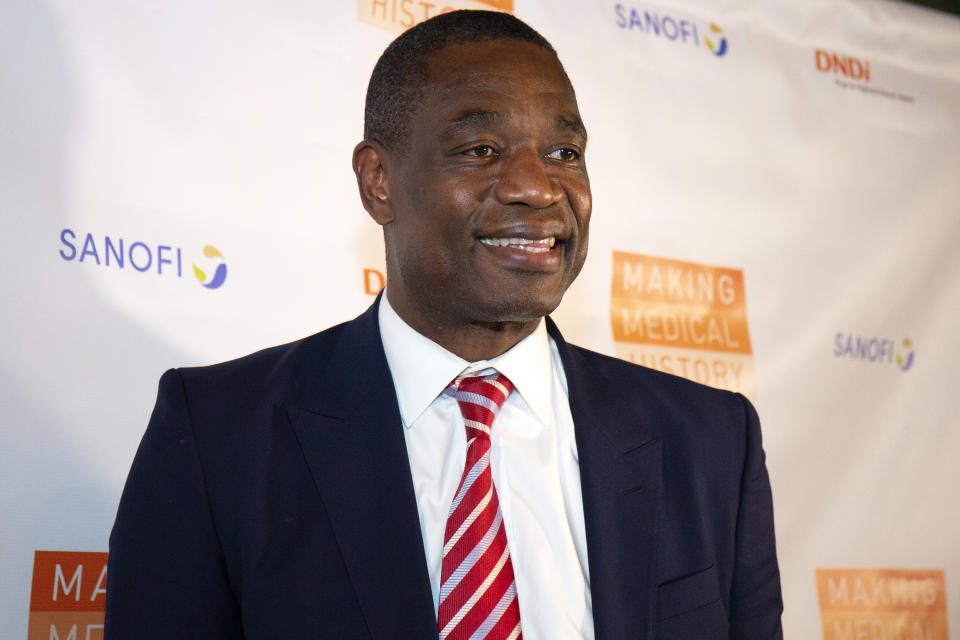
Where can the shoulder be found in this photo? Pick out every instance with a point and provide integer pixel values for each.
(655, 386)
(278, 375)
(267, 367)
(665, 406)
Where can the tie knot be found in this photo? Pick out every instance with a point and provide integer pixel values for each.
(480, 399)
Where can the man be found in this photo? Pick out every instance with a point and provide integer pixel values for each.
(326, 489)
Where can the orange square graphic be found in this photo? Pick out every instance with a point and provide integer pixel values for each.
(673, 303)
(400, 15)
(65, 625)
(68, 595)
(882, 603)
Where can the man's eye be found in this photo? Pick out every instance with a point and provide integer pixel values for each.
(564, 154)
(481, 151)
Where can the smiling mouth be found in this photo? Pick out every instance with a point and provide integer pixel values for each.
(542, 245)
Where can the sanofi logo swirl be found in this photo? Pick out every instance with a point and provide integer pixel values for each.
(220, 273)
(720, 48)
(905, 354)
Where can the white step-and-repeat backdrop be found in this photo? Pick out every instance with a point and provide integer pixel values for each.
(777, 210)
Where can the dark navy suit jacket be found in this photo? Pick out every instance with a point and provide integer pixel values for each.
(271, 498)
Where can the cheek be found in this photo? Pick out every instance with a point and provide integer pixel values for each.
(462, 196)
(582, 204)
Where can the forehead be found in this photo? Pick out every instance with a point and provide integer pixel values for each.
(480, 75)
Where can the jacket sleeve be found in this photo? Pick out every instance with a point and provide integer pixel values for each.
(755, 599)
(166, 576)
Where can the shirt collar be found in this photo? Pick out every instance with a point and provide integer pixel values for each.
(422, 369)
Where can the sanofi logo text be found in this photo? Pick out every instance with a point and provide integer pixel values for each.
(145, 257)
(873, 349)
(669, 27)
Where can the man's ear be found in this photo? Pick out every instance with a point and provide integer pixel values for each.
(369, 164)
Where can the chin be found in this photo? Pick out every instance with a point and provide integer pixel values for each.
(527, 309)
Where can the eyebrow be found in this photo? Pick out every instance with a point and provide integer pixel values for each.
(479, 118)
(473, 119)
(573, 124)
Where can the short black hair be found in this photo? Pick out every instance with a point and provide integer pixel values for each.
(396, 85)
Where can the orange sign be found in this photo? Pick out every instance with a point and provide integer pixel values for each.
(68, 595)
(682, 318)
(399, 15)
(673, 303)
(890, 604)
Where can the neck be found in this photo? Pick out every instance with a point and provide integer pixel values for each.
(471, 340)
(482, 341)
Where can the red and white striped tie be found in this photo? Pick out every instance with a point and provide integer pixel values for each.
(478, 596)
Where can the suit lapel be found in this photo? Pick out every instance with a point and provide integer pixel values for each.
(350, 430)
(620, 477)
(351, 434)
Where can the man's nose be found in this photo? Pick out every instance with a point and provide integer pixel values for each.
(525, 180)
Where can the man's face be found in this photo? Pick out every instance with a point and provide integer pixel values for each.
(490, 198)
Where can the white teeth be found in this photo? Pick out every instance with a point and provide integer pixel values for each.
(533, 246)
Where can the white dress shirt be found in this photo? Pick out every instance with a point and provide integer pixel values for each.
(533, 456)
